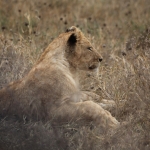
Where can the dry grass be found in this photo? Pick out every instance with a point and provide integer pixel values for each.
(120, 31)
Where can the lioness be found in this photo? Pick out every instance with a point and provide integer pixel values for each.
(51, 88)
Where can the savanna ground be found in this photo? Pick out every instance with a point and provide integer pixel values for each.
(119, 30)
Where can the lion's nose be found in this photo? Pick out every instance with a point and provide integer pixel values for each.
(100, 59)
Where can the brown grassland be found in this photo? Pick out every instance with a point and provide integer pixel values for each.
(120, 30)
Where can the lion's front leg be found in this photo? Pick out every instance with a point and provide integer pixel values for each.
(86, 112)
(92, 110)
(90, 96)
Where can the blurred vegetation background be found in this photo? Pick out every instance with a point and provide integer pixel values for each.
(120, 30)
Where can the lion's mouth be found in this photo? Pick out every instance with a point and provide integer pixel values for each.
(92, 67)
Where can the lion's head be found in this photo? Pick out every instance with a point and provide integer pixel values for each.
(80, 52)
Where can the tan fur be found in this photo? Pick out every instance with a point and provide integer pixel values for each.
(51, 89)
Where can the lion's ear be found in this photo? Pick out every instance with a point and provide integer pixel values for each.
(72, 40)
(72, 29)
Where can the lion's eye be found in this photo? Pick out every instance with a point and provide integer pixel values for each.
(89, 48)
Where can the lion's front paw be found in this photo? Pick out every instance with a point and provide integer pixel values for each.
(107, 104)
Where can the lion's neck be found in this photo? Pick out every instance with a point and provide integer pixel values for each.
(74, 74)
